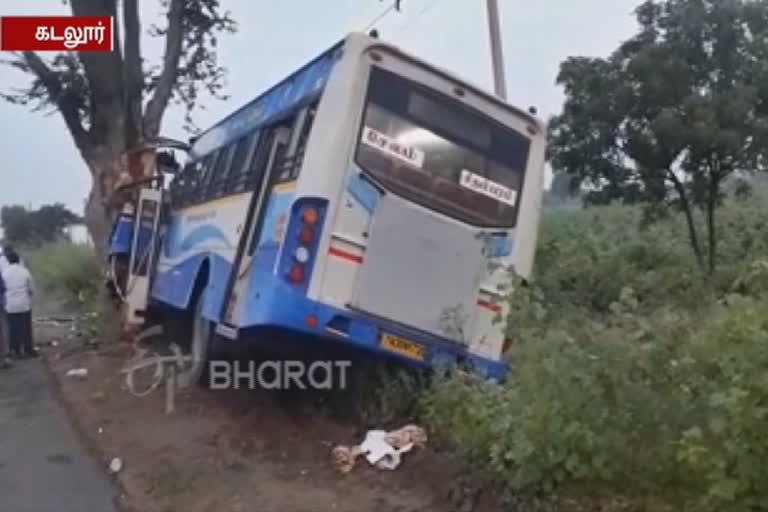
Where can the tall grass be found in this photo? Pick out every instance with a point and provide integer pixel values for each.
(636, 377)
(72, 272)
(65, 268)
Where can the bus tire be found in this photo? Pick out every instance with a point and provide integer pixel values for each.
(201, 342)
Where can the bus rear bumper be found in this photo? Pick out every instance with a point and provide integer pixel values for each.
(292, 311)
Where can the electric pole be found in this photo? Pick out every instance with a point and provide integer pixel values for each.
(497, 54)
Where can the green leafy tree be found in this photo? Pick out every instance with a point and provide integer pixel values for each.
(33, 227)
(113, 102)
(672, 113)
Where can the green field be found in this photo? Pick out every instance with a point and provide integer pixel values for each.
(638, 380)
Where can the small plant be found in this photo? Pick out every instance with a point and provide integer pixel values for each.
(66, 268)
(635, 377)
(72, 272)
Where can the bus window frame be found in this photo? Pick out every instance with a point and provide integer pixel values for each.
(210, 168)
(441, 98)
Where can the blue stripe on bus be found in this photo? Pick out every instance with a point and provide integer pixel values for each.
(274, 303)
(271, 301)
(174, 285)
(306, 83)
(501, 245)
(279, 204)
(363, 192)
(122, 235)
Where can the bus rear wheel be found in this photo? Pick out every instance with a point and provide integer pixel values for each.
(197, 349)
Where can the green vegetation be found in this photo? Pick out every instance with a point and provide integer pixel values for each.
(636, 376)
(32, 228)
(672, 113)
(66, 268)
(72, 272)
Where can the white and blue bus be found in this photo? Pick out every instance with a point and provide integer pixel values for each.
(366, 199)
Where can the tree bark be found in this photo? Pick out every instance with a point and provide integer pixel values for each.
(714, 186)
(174, 39)
(693, 235)
(107, 166)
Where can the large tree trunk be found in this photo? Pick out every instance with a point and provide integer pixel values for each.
(685, 205)
(107, 170)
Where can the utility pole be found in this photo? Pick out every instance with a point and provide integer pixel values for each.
(497, 54)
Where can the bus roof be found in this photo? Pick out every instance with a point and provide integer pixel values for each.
(305, 83)
(296, 88)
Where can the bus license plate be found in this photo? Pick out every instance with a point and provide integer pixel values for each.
(403, 347)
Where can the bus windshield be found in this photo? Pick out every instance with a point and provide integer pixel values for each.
(429, 149)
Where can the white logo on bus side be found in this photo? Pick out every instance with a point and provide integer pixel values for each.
(482, 185)
(392, 147)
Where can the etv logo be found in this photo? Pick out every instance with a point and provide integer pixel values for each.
(56, 33)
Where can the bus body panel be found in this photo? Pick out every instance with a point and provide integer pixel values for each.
(202, 235)
(304, 84)
(339, 300)
(336, 277)
(176, 276)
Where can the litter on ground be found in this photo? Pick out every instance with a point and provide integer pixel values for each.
(116, 465)
(381, 449)
(80, 373)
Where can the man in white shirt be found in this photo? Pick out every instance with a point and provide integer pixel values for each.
(5, 360)
(18, 306)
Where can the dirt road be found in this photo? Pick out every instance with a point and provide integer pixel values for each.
(235, 450)
(43, 465)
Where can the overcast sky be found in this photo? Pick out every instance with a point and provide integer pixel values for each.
(39, 164)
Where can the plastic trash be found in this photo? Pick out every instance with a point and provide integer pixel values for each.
(116, 465)
(80, 373)
(381, 449)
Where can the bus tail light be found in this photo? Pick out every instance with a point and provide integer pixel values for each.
(309, 216)
(300, 246)
(306, 235)
(296, 274)
(301, 254)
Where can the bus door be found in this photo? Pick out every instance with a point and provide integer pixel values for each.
(269, 155)
(143, 251)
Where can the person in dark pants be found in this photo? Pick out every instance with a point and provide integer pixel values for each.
(5, 360)
(18, 306)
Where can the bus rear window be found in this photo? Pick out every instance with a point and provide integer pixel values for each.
(431, 150)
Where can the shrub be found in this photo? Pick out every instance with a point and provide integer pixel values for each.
(73, 271)
(634, 374)
(66, 268)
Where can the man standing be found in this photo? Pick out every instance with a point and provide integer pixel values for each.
(5, 359)
(18, 305)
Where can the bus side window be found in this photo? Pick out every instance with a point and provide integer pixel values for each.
(240, 165)
(291, 164)
(217, 176)
(177, 186)
(258, 163)
(207, 174)
(192, 181)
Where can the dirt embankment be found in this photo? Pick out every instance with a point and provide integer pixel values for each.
(234, 450)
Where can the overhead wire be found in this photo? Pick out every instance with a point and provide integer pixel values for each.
(428, 7)
(380, 17)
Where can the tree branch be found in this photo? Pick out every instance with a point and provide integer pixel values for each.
(133, 74)
(104, 71)
(688, 211)
(67, 105)
(174, 38)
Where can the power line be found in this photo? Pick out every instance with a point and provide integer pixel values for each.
(379, 17)
(431, 5)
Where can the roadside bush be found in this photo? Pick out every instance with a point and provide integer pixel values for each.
(677, 417)
(72, 271)
(634, 374)
(66, 268)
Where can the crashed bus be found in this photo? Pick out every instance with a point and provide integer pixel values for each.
(367, 199)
